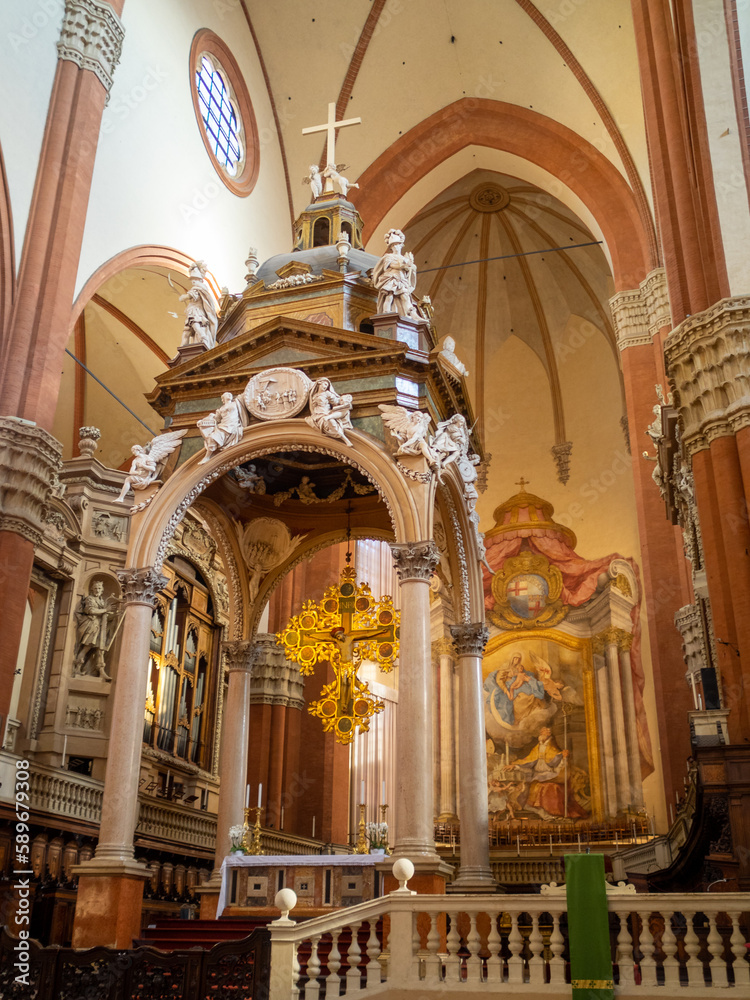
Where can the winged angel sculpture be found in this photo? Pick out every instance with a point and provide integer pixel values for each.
(149, 460)
(410, 428)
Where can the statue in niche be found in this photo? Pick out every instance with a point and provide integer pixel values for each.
(448, 353)
(340, 183)
(201, 317)
(395, 278)
(315, 180)
(329, 412)
(96, 623)
(225, 426)
(148, 461)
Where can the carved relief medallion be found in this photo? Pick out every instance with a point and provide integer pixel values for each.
(277, 393)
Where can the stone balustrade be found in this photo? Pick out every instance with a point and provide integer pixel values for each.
(63, 793)
(478, 944)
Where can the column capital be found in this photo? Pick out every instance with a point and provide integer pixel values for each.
(140, 586)
(639, 313)
(240, 655)
(707, 362)
(91, 37)
(612, 636)
(470, 639)
(30, 459)
(415, 560)
(442, 647)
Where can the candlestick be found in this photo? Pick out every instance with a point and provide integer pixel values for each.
(247, 795)
(362, 846)
(260, 794)
(252, 846)
(383, 811)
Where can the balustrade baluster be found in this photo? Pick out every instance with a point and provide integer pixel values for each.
(536, 949)
(333, 983)
(515, 944)
(669, 947)
(312, 989)
(737, 944)
(373, 954)
(296, 970)
(494, 945)
(473, 941)
(453, 944)
(648, 964)
(715, 946)
(557, 946)
(353, 981)
(693, 966)
(433, 963)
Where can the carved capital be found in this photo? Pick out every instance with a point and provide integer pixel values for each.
(442, 647)
(709, 365)
(639, 313)
(415, 560)
(30, 459)
(470, 640)
(240, 656)
(91, 37)
(140, 586)
(612, 636)
(276, 680)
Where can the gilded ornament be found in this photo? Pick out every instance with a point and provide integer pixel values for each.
(527, 592)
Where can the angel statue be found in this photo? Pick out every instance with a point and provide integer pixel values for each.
(315, 180)
(340, 183)
(451, 444)
(410, 428)
(395, 277)
(329, 412)
(149, 460)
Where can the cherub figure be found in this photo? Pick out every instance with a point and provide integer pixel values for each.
(315, 180)
(148, 461)
(340, 183)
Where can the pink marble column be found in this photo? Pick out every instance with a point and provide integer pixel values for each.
(235, 736)
(475, 874)
(110, 885)
(415, 835)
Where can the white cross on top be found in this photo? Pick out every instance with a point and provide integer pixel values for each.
(330, 129)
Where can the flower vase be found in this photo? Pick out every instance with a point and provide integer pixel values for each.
(378, 851)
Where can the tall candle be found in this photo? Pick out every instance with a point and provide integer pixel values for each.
(313, 833)
(671, 813)
(247, 795)
(260, 793)
(518, 845)
(362, 791)
(616, 841)
(282, 817)
(382, 794)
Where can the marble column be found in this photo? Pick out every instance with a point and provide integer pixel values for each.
(609, 790)
(110, 887)
(235, 738)
(475, 874)
(617, 716)
(631, 724)
(415, 837)
(447, 742)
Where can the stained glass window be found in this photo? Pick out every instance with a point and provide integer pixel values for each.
(220, 119)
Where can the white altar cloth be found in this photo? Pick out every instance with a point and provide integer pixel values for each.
(238, 860)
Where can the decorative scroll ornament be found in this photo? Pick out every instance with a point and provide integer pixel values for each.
(346, 627)
(527, 593)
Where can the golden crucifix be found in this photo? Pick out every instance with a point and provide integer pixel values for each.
(347, 626)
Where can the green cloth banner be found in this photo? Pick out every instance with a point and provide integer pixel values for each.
(588, 928)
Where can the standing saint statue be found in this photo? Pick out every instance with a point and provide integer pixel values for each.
(94, 633)
(201, 318)
(224, 427)
(395, 277)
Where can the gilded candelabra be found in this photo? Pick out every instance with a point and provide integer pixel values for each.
(252, 846)
(362, 845)
(384, 822)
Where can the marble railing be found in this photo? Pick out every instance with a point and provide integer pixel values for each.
(176, 824)
(478, 944)
(63, 793)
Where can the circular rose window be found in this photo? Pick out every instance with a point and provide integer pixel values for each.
(225, 113)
